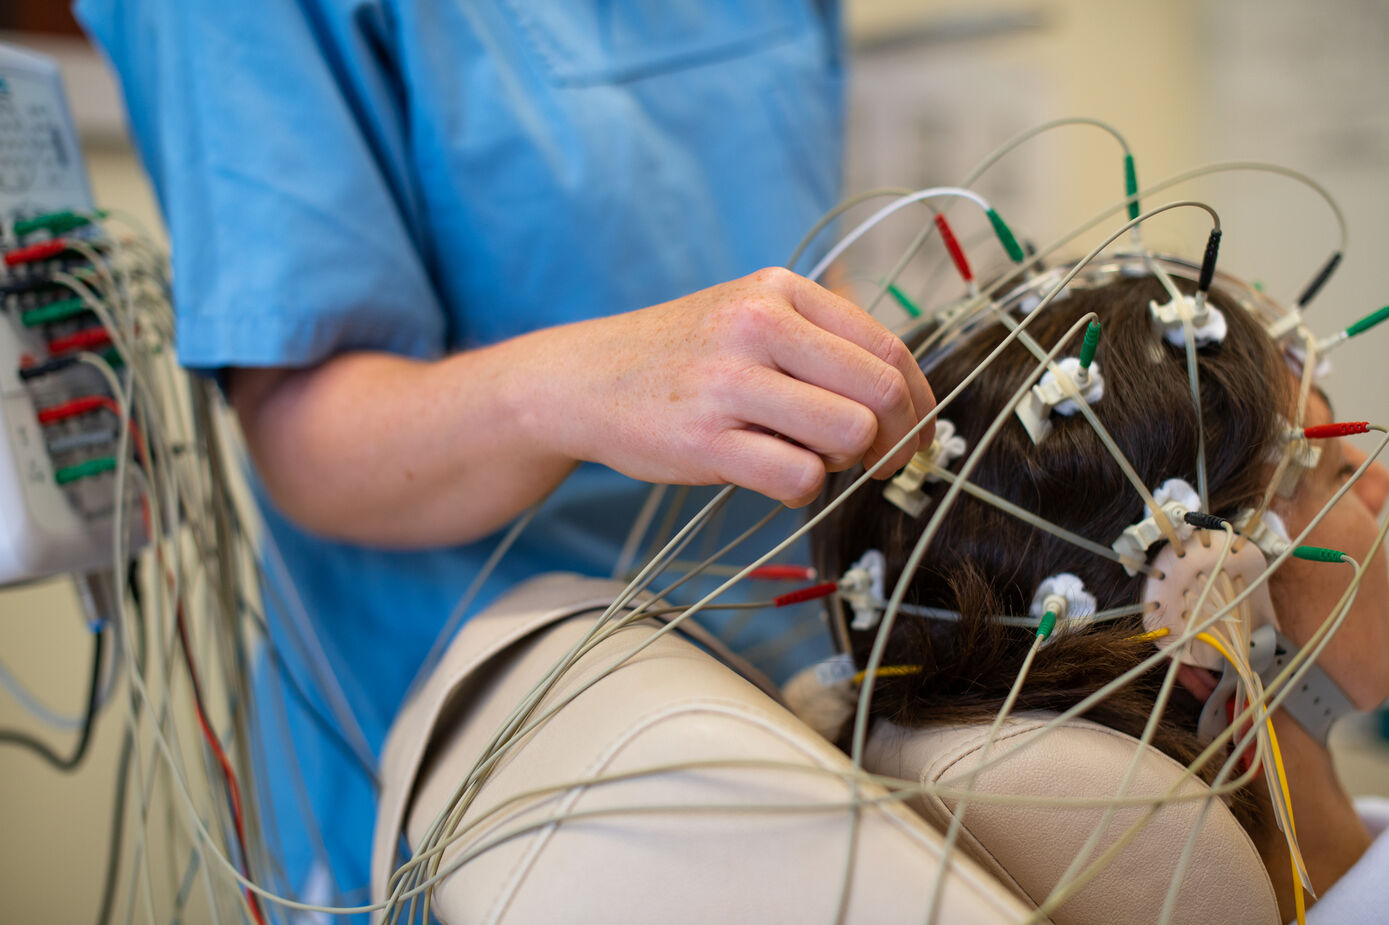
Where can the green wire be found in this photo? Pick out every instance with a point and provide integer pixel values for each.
(55, 222)
(1131, 186)
(1369, 321)
(1005, 236)
(1318, 554)
(54, 311)
(85, 469)
(1091, 343)
(907, 304)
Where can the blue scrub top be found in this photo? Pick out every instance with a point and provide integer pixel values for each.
(423, 177)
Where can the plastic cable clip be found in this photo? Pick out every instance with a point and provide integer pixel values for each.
(1268, 532)
(862, 589)
(1176, 497)
(1284, 325)
(1207, 321)
(1064, 596)
(1303, 456)
(1295, 355)
(1049, 394)
(905, 488)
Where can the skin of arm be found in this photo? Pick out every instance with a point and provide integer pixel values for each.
(767, 382)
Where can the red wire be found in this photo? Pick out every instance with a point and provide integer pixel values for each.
(40, 251)
(1343, 429)
(86, 404)
(783, 573)
(87, 339)
(233, 790)
(806, 594)
(71, 409)
(957, 253)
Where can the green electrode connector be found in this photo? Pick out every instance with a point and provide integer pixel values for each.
(1090, 345)
(1360, 327)
(1044, 629)
(53, 311)
(84, 469)
(907, 304)
(1318, 554)
(55, 222)
(1131, 186)
(1005, 236)
(1369, 321)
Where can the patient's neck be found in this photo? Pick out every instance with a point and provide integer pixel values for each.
(1329, 832)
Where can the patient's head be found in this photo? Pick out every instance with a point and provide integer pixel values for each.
(984, 562)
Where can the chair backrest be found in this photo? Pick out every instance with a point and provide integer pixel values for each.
(1031, 847)
(768, 840)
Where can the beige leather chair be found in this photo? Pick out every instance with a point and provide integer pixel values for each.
(1029, 847)
(676, 702)
(672, 703)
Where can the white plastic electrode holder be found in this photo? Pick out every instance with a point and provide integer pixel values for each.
(1285, 325)
(1207, 321)
(862, 589)
(1050, 394)
(1303, 456)
(1267, 532)
(1295, 355)
(1075, 602)
(822, 695)
(1177, 498)
(905, 489)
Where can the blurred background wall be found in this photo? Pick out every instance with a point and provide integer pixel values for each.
(935, 86)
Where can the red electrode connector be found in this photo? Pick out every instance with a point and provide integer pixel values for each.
(814, 592)
(71, 409)
(45, 250)
(783, 573)
(957, 253)
(89, 339)
(1343, 429)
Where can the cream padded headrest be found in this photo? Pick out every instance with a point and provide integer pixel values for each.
(1030, 847)
(691, 861)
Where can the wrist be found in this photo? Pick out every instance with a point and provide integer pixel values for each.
(542, 397)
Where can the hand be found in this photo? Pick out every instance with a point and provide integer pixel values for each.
(767, 382)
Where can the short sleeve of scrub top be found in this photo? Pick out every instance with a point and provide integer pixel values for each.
(429, 176)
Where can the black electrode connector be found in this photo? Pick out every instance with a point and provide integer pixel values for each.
(1205, 521)
(1208, 261)
(1319, 280)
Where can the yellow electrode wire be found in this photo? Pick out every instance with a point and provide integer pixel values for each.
(1298, 899)
(889, 671)
(899, 671)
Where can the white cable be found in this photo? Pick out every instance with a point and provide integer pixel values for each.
(892, 207)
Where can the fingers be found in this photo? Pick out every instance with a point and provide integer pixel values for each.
(769, 466)
(844, 319)
(829, 365)
(843, 350)
(837, 429)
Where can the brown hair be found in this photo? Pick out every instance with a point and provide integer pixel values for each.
(984, 562)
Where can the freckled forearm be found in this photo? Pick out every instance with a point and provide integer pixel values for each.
(387, 451)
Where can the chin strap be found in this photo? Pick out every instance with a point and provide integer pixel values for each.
(1315, 703)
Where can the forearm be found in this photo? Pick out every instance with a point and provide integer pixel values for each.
(387, 451)
(766, 382)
